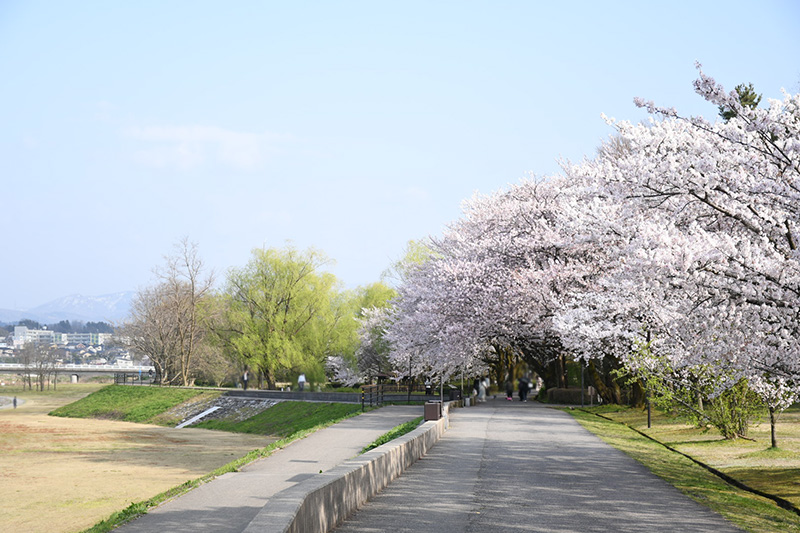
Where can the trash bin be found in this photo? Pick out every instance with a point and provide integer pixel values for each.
(433, 411)
(455, 394)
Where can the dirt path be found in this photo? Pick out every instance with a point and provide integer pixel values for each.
(64, 475)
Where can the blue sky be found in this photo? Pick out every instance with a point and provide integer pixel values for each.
(352, 127)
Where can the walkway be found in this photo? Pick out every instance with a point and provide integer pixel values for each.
(230, 502)
(505, 467)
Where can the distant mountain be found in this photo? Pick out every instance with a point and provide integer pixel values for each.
(106, 308)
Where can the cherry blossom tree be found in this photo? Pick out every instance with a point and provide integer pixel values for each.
(681, 233)
(723, 261)
(494, 280)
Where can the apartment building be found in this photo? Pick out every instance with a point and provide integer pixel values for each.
(24, 335)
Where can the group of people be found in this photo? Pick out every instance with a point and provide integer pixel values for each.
(480, 387)
(524, 388)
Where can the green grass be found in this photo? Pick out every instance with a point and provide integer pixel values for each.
(287, 418)
(749, 511)
(128, 403)
(395, 432)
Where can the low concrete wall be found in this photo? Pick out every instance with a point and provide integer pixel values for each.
(308, 396)
(319, 504)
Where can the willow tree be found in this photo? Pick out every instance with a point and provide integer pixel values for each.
(283, 313)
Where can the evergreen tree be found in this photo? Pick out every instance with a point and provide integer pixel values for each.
(747, 97)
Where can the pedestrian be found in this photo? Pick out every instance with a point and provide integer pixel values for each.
(482, 390)
(301, 382)
(428, 387)
(523, 389)
(15, 402)
(244, 380)
(509, 388)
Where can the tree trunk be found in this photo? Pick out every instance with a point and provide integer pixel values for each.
(599, 383)
(562, 371)
(772, 422)
(638, 398)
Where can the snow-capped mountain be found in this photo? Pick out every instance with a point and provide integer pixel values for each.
(106, 308)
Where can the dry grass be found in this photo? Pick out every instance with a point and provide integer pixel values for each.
(65, 474)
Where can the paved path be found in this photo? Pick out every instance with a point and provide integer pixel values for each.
(506, 467)
(230, 502)
(7, 402)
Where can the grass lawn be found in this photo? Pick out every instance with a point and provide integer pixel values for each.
(131, 404)
(775, 472)
(287, 418)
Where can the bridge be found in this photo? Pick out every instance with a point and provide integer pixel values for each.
(122, 373)
(79, 369)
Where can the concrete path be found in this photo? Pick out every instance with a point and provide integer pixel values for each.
(505, 467)
(230, 502)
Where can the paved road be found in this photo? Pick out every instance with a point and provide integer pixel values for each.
(230, 502)
(506, 467)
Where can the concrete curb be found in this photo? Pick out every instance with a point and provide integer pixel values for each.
(319, 504)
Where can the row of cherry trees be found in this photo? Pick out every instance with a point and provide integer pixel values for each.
(673, 254)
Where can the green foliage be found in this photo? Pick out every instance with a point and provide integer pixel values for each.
(747, 97)
(284, 315)
(374, 295)
(699, 393)
(542, 395)
(131, 404)
(395, 432)
(287, 418)
(30, 324)
(416, 253)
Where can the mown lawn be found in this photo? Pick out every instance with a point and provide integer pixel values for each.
(287, 418)
(128, 403)
(774, 472)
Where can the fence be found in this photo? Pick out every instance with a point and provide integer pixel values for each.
(133, 378)
(372, 395)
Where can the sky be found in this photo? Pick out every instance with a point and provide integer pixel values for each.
(349, 127)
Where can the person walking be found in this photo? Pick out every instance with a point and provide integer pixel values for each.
(15, 402)
(509, 388)
(482, 391)
(301, 382)
(244, 380)
(523, 389)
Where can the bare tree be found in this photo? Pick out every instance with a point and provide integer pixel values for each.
(45, 364)
(166, 321)
(26, 357)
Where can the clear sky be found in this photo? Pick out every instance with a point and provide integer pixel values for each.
(352, 127)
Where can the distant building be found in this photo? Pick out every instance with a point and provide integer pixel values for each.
(24, 335)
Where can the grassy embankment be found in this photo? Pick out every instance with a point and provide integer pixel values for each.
(775, 472)
(287, 420)
(132, 404)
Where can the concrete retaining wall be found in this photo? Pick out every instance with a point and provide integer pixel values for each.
(342, 397)
(319, 504)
